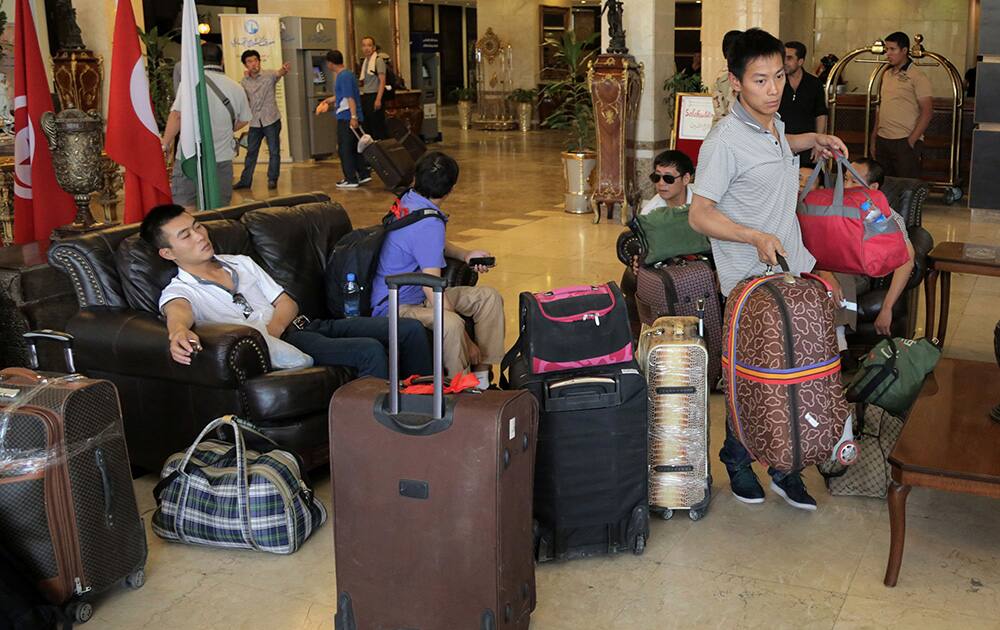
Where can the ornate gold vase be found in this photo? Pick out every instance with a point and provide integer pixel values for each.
(464, 114)
(578, 169)
(75, 139)
(525, 112)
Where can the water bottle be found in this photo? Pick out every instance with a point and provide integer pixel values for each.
(872, 215)
(352, 297)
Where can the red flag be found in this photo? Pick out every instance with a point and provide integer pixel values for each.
(39, 203)
(133, 139)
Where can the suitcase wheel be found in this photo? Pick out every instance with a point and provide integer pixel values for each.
(667, 514)
(136, 580)
(696, 514)
(80, 612)
(640, 544)
(847, 453)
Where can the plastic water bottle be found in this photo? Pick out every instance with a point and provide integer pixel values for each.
(352, 297)
(874, 215)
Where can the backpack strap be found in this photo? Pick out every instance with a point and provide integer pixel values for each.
(882, 372)
(222, 97)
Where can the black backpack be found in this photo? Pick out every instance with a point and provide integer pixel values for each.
(358, 252)
(393, 82)
(22, 607)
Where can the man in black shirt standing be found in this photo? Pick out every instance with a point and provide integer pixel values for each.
(803, 103)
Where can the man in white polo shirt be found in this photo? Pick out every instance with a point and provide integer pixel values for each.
(745, 194)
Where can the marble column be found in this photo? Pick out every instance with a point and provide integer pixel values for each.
(720, 16)
(649, 35)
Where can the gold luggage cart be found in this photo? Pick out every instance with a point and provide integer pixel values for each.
(949, 187)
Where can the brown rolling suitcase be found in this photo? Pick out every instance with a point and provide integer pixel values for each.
(783, 390)
(399, 130)
(432, 499)
(67, 506)
(391, 162)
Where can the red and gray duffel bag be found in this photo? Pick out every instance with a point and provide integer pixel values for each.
(836, 232)
(782, 370)
(571, 328)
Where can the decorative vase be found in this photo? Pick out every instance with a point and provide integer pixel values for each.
(75, 139)
(578, 169)
(464, 114)
(525, 112)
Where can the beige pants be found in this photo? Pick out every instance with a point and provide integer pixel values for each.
(485, 306)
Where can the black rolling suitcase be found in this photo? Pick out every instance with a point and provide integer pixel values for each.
(400, 131)
(67, 507)
(591, 467)
(391, 162)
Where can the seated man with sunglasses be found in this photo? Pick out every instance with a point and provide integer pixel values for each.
(671, 175)
(233, 289)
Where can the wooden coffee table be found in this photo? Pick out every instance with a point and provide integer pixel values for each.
(954, 257)
(948, 442)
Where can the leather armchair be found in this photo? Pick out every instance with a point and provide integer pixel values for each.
(120, 336)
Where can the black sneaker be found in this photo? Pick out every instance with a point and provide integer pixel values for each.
(793, 491)
(272, 185)
(241, 186)
(347, 184)
(365, 179)
(745, 486)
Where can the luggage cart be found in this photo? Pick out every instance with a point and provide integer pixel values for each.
(950, 186)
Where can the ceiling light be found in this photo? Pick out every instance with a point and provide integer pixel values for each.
(204, 28)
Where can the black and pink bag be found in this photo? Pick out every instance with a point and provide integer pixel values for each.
(571, 328)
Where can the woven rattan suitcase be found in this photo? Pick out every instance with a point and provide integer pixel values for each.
(676, 362)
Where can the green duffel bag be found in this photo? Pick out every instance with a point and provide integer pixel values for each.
(666, 234)
(893, 373)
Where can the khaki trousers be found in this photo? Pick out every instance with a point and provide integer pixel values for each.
(485, 306)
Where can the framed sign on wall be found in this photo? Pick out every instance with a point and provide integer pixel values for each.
(693, 113)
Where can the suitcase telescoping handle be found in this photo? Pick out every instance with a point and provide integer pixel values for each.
(65, 339)
(438, 285)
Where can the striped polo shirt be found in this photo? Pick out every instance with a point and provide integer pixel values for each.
(753, 178)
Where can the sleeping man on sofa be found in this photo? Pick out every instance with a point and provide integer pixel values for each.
(231, 289)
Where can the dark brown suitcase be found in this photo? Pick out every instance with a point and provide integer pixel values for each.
(399, 130)
(67, 506)
(432, 511)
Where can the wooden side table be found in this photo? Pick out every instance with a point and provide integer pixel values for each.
(948, 442)
(954, 257)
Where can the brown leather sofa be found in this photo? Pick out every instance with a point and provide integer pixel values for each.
(906, 196)
(120, 336)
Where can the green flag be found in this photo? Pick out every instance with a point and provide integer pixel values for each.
(197, 150)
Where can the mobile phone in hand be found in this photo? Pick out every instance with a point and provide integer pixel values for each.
(485, 261)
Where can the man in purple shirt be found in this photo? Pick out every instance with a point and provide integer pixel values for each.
(422, 246)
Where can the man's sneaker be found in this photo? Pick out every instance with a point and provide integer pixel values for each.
(365, 179)
(793, 491)
(346, 184)
(240, 186)
(272, 185)
(745, 486)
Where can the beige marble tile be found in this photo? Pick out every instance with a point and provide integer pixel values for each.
(871, 614)
(778, 543)
(683, 597)
(479, 233)
(514, 222)
(949, 564)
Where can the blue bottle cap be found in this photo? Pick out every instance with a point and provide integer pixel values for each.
(351, 277)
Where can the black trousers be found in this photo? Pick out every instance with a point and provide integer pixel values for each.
(898, 158)
(354, 165)
(374, 122)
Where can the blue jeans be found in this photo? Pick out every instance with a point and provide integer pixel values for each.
(351, 161)
(735, 456)
(272, 132)
(361, 343)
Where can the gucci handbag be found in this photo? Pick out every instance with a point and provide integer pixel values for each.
(870, 475)
(223, 494)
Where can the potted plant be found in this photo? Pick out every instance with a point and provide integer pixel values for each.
(159, 72)
(525, 100)
(465, 96)
(678, 84)
(574, 112)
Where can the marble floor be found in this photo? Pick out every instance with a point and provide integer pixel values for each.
(766, 566)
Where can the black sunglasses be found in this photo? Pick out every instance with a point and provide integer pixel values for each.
(239, 300)
(667, 178)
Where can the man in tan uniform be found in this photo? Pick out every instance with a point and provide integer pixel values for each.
(904, 113)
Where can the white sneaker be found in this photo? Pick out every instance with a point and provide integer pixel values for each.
(346, 184)
(365, 179)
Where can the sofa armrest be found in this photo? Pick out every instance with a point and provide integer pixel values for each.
(135, 343)
(284, 394)
(922, 243)
(459, 274)
(629, 244)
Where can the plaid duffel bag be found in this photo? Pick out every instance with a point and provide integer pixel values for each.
(224, 494)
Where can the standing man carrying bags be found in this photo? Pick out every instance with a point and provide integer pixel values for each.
(265, 121)
(905, 111)
(745, 196)
(372, 80)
